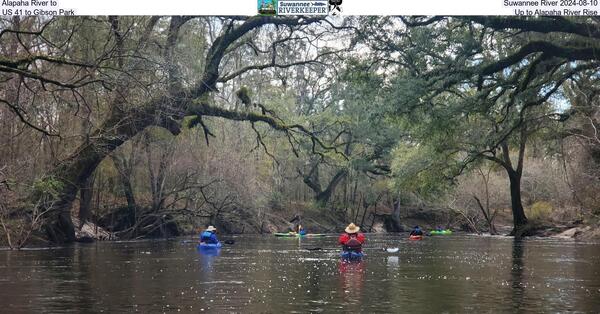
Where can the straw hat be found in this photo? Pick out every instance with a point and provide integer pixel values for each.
(211, 228)
(352, 228)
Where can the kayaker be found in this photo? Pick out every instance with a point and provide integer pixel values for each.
(439, 228)
(416, 231)
(352, 240)
(301, 230)
(209, 235)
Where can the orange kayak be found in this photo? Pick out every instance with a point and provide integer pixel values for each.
(415, 237)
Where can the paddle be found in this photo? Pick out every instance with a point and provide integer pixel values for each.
(230, 242)
(313, 248)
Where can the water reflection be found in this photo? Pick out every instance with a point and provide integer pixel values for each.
(207, 258)
(458, 274)
(393, 262)
(516, 274)
(352, 280)
(208, 251)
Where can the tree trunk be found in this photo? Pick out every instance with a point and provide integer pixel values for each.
(71, 174)
(158, 172)
(391, 222)
(396, 225)
(122, 124)
(128, 190)
(520, 222)
(125, 169)
(119, 127)
(362, 221)
(75, 170)
(323, 197)
(519, 218)
(312, 180)
(489, 219)
(85, 200)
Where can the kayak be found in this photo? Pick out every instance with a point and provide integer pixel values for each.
(210, 245)
(351, 255)
(297, 235)
(440, 232)
(415, 237)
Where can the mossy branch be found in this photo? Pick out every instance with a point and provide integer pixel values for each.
(203, 109)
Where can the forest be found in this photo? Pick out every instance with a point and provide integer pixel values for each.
(148, 126)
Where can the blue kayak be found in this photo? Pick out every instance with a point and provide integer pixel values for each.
(351, 255)
(210, 245)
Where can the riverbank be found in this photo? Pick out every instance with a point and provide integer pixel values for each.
(325, 220)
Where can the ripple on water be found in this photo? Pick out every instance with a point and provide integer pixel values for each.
(265, 275)
(315, 259)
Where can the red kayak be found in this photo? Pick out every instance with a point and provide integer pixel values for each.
(415, 237)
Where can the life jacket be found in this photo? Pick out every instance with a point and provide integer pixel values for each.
(353, 244)
(208, 237)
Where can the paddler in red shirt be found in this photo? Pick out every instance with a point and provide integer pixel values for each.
(352, 240)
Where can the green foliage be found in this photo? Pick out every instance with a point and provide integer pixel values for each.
(451, 120)
(244, 95)
(276, 200)
(46, 188)
(540, 210)
(190, 122)
(410, 108)
(189, 50)
(420, 169)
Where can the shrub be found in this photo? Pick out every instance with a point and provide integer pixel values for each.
(540, 210)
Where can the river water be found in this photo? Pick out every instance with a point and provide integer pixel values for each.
(264, 274)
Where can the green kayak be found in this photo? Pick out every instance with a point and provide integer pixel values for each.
(296, 235)
(440, 232)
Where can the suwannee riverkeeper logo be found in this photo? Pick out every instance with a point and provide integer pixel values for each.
(299, 7)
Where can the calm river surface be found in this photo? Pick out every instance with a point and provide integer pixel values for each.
(264, 274)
